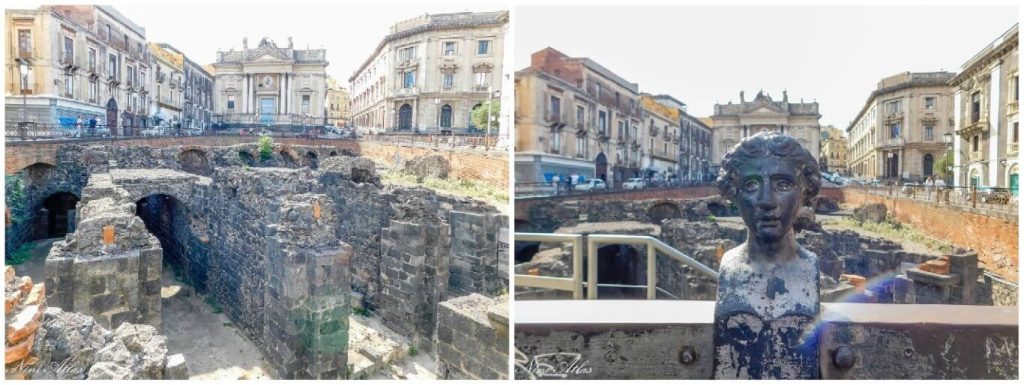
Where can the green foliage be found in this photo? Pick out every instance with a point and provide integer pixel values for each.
(361, 312)
(893, 230)
(21, 255)
(266, 145)
(412, 351)
(348, 372)
(480, 115)
(944, 166)
(15, 196)
(214, 304)
(711, 218)
(485, 191)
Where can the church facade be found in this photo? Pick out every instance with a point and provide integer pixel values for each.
(733, 122)
(279, 88)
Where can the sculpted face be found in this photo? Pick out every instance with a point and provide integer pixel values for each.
(769, 196)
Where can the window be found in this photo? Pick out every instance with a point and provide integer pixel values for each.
(894, 130)
(929, 132)
(893, 107)
(231, 102)
(409, 80)
(449, 48)
(305, 103)
(142, 79)
(480, 79)
(651, 147)
(975, 107)
(408, 53)
(483, 47)
(580, 116)
(602, 122)
(92, 59)
(24, 43)
(447, 81)
(109, 34)
(1016, 129)
(556, 108)
(93, 91)
(598, 86)
(664, 149)
(112, 66)
(581, 147)
(929, 103)
(446, 116)
(68, 56)
(974, 143)
(131, 76)
(69, 85)
(1016, 87)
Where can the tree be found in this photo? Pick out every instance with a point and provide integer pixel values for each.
(266, 146)
(944, 167)
(480, 115)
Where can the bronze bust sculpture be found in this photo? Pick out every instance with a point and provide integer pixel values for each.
(768, 286)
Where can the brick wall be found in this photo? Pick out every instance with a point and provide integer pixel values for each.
(491, 167)
(994, 239)
(523, 206)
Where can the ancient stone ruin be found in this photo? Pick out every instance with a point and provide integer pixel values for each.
(287, 249)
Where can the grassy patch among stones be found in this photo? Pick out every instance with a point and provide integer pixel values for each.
(21, 255)
(893, 230)
(460, 187)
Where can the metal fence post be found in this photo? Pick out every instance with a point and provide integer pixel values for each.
(591, 268)
(652, 273)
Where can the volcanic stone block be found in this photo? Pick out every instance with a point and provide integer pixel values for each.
(472, 339)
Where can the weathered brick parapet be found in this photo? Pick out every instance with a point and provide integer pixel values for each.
(472, 338)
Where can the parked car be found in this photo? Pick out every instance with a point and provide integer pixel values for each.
(634, 183)
(592, 185)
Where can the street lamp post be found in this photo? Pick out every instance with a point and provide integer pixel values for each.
(23, 67)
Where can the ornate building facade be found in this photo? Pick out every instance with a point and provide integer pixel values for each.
(280, 88)
(661, 118)
(833, 150)
(733, 122)
(197, 93)
(170, 79)
(430, 73)
(574, 115)
(79, 61)
(898, 134)
(337, 103)
(986, 93)
(694, 148)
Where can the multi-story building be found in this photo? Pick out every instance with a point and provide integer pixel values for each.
(733, 122)
(79, 61)
(170, 80)
(430, 73)
(661, 148)
(573, 115)
(337, 103)
(694, 148)
(986, 93)
(833, 150)
(197, 105)
(898, 134)
(280, 88)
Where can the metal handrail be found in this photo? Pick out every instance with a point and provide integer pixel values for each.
(575, 285)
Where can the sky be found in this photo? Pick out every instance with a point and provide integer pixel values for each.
(704, 55)
(348, 32)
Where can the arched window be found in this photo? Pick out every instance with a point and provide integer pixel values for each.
(446, 116)
(927, 164)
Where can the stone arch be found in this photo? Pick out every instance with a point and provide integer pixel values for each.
(288, 157)
(56, 216)
(195, 161)
(718, 209)
(662, 211)
(311, 160)
(180, 234)
(1012, 178)
(247, 158)
(37, 173)
(333, 153)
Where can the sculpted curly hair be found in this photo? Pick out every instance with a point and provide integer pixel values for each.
(769, 145)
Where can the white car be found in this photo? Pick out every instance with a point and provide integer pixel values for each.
(634, 183)
(592, 185)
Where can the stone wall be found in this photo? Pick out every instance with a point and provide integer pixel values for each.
(994, 238)
(414, 278)
(109, 268)
(472, 338)
(478, 263)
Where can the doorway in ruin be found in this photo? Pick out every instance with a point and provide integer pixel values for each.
(618, 267)
(56, 217)
(195, 162)
(311, 160)
(663, 211)
(168, 220)
(246, 158)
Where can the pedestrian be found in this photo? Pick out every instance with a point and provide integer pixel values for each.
(92, 125)
(555, 180)
(573, 180)
(78, 126)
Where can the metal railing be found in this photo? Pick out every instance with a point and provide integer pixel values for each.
(990, 198)
(439, 140)
(548, 189)
(576, 284)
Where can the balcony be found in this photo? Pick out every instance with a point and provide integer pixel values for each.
(408, 91)
(893, 142)
(895, 116)
(975, 156)
(480, 88)
(975, 128)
